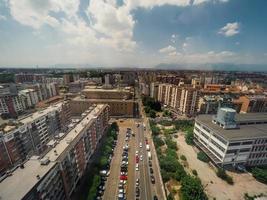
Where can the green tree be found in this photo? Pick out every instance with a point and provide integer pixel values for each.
(260, 174)
(93, 188)
(189, 138)
(192, 189)
(147, 109)
(152, 114)
(170, 197)
(158, 141)
(202, 156)
(155, 130)
(222, 174)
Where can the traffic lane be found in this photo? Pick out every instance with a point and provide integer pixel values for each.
(146, 167)
(130, 193)
(145, 173)
(143, 192)
(113, 179)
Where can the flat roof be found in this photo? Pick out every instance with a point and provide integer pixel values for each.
(15, 187)
(101, 100)
(40, 113)
(244, 132)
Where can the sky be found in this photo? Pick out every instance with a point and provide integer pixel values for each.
(132, 33)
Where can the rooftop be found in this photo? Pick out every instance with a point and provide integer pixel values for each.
(23, 180)
(102, 100)
(40, 113)
(101, 89)
(247, 131)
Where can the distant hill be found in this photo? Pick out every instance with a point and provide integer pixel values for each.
(217, 66)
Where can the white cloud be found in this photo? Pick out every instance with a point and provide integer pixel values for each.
(35, 13)
(108, 37)
(2, 17)
(167, 49)
(174, 53)
(230, 29)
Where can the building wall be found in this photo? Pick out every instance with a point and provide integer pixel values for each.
(107, 94)
(249, 151)
(117, 108)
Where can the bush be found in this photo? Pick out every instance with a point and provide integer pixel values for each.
(189, 138)
(165, 123)
(184, 125)
(260, 174)
(202, 156)
(194, 172)
(167, 113)
(222, 174)
(192, 189)
(183, 157)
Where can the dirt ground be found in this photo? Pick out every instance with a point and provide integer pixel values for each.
(214, 186)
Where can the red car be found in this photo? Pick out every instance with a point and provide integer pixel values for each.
(137, 159)
(123, 177)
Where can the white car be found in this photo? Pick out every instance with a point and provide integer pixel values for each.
(140, 145)
(137, 167)
(141, 157)
(136, 152)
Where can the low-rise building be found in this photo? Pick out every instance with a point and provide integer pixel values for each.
(231, 139)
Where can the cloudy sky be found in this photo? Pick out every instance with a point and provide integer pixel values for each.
(132, 32)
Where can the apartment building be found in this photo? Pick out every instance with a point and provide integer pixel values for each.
(30, 135)
(11, 105)
(183, 99)
(55, 175)
(30, 97)
(154, 89)
(231, 139)
(209, 104)
(253, 103)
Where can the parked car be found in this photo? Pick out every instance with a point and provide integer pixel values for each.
(151, 170)
(137, 167)
(152, 179)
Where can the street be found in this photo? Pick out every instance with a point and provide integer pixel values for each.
(147, 190)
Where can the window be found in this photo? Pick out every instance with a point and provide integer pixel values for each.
(234, 144)
(244, 150)
(247, 143)
(231, 151)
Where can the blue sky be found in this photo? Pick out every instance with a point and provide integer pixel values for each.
(141, 33)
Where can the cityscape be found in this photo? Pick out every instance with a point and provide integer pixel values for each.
(133, 100)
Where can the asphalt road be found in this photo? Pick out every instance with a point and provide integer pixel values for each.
(147, 189)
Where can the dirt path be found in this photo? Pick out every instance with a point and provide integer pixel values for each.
(214, 186)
